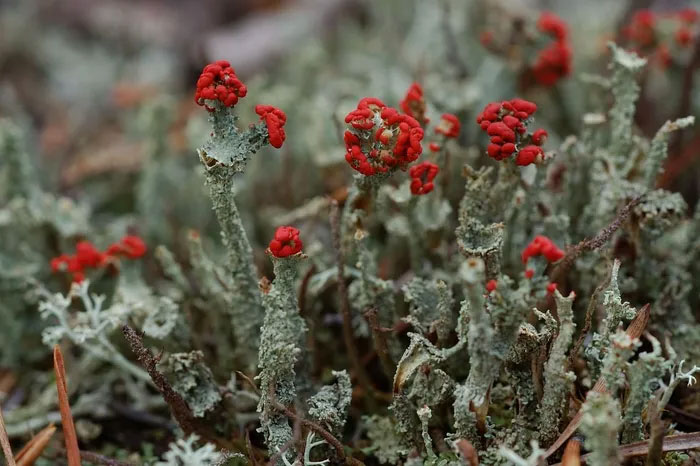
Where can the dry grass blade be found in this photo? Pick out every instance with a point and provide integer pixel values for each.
(35, 447)
(572, 454)
(69, 435)
(5, 442)
(635, 330)
(679, 442)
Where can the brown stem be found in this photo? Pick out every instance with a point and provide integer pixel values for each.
(178, 406)
(380, 343)
(327, 436)
(69, 435)
(348, 336)
(591, 244)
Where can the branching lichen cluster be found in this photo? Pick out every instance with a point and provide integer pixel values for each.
(411, 329)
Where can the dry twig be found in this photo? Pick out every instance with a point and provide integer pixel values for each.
(178, 406)
(591, 244)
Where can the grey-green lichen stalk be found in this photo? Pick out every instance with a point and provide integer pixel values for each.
(283, 336)
(224, 156)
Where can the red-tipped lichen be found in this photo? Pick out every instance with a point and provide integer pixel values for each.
(286, 242)
(274, 119)
(218, 82)
(422, 176)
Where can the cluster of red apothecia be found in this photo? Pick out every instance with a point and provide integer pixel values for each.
(382, 139)
(655, 34)
(422, 176)
(448, 128)
(545, 247)
(87, 256)
(506, 124)
(274, 119)
(286, 242)
(219, 83)
(413, 104)
(539, 246)
(554, 61)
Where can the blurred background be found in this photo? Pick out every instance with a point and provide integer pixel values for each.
(74, 73)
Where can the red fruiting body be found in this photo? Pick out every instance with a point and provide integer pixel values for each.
(684, 36)
(218, 81)
(528, 155)
(505, 123)
(130, 246)
(449, 126)
(422, 176)
(491, 285)
(688, 15)
(551, 288)
(486, 37)
(274, 119)
(413, 104)
(529, 273)
(554, 61)
(648, 33)
(542, 246)
(87, 256)
(434, 147)
(539, 137)
(552, 64)
(553, 25)
(383, 138)
(286, 242)
(641, 28)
